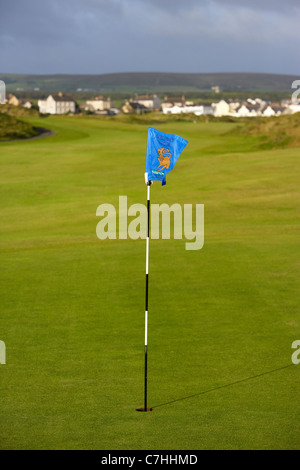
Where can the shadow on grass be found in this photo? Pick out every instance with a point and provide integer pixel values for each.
(223, 386)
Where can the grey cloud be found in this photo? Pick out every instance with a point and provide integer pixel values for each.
(267, 5)
(99, 36)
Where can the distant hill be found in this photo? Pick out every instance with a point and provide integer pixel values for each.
(148, 82)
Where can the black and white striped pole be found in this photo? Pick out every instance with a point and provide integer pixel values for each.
(146, 296)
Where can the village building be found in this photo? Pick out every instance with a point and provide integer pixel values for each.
(27, 104)
(142, 104)
(247, 110)
(131, 107)
(294, 108)
(221, 108)
(151, 102)
(174, 102)
(57, 104)
(268, 111)
(13, 100)
(198, 109)
(234, 105)
(279, 109)
(241, 111)
(98, 104)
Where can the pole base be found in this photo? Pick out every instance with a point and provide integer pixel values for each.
(144, 409)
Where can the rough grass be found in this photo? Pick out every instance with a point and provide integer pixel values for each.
(274, 132)
(19, 111)
(12, 128)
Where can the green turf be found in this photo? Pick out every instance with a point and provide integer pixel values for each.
(221, 320)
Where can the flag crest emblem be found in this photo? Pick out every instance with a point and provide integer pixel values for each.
(163, 151)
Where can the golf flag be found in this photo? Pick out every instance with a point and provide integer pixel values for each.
(163, 151)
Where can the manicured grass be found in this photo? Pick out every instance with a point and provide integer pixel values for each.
(221, 320)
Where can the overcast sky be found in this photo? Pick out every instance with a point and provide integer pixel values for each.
(105, 36)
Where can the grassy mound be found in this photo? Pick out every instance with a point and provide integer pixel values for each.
(13, 129)
(19, 111)
(274, 132)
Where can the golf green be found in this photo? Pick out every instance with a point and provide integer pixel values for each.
(222, 319)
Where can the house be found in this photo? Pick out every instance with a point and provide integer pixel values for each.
(294, 108)
(233, 106)
(131, 107)
(151, 102)
(142, 104)
(172, 109)
(241, 111)
(98, 104)
(279, 109)
(268, 111)
(176, 102)
(197, 109)
(221, 108)
(290, 106)
(57, 104)
(257, 101)
(13, 100)
(247, 110)
(27, 104)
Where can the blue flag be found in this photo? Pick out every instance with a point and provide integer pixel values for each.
(163, 151)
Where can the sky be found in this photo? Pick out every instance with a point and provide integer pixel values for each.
(185, 36)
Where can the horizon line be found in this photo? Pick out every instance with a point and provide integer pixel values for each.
(149, 72)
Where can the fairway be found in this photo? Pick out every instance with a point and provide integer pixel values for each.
(222, 320)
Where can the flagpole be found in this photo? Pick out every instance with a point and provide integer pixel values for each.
(147, 292)
(146, 300)
(158, 149)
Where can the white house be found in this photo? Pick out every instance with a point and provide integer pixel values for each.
(221, 108)
(198, 110)
(247, 110)
(233, 106)
(268, 111)
(242, 111)
(174, 102)
(98, 104)
(27, 104)
(294, 108)
(172, 109)
(57, 104)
